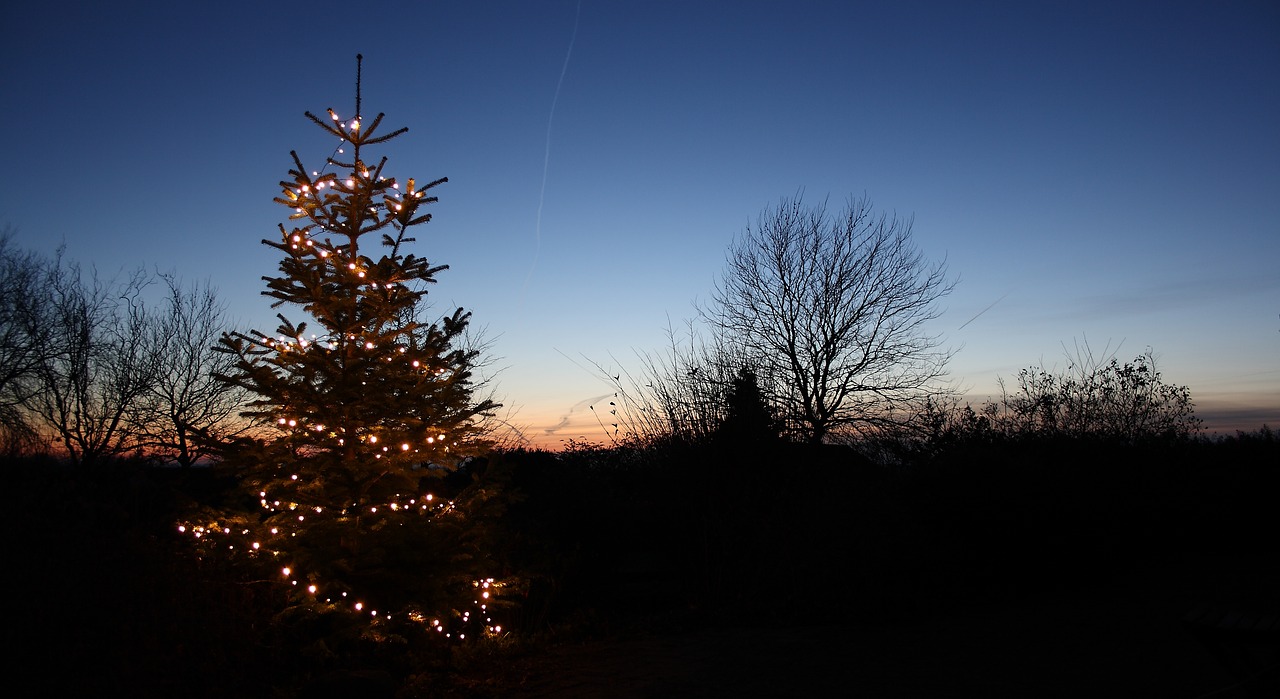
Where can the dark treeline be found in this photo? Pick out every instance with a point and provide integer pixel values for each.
(661, 537)
(97, 366)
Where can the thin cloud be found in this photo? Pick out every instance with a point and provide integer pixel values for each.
(1230, 419)
(1171, 296)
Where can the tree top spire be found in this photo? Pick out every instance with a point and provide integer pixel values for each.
(359, 60)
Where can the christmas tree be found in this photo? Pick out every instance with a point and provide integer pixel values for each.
(361, 412)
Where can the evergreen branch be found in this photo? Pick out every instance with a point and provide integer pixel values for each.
(383, 139)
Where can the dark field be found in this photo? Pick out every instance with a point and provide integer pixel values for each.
(1121, 636)
(975, 570)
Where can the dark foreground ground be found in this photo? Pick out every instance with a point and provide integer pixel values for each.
(1123, 635)
(1012, 572)
(1044, 574)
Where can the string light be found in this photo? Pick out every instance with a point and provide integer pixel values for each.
(464, 620)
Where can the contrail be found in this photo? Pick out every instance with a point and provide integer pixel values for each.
(546, 156)
(989, 307)
(564, 419)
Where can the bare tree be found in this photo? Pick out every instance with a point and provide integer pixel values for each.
(22, 345)
(100, 360)
(832, 312)
(84, 363)
(185, 410)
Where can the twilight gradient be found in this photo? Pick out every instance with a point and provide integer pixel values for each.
(1105, 172)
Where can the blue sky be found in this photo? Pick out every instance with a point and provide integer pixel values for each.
(1104, 172)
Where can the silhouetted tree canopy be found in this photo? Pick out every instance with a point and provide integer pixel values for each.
(748, 418)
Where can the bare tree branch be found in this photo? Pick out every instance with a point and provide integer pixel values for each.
(187, 411)
(100, 360)
(23, 342)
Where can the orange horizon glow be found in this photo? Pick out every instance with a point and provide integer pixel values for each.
(1222, 415)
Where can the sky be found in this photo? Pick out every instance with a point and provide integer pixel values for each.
(1100, 173)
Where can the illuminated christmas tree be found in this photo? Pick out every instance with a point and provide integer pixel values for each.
(363, 410)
